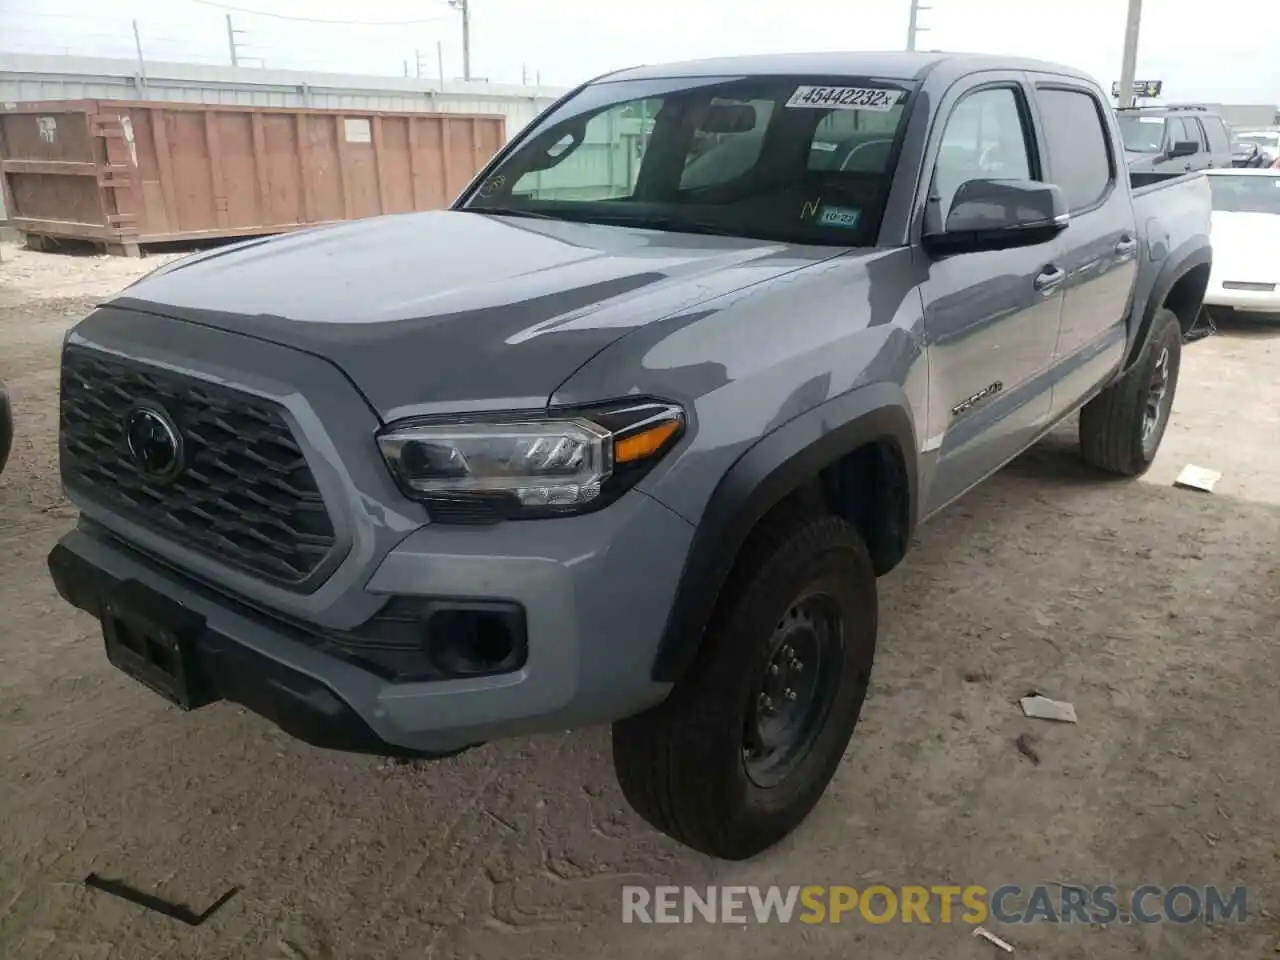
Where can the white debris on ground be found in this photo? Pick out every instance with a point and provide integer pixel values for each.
(1042, 708)
(1198, 478)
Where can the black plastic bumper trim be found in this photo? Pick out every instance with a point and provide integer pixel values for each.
(300, 705)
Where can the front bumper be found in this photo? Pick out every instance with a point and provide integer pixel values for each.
(595, 591)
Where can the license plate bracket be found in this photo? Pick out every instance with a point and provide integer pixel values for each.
(152, 638)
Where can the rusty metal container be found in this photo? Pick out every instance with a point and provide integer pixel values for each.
(128, 173)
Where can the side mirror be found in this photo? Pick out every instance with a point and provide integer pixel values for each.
(1000, 215)
(1183, 148)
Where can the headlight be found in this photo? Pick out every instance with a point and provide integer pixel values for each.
(520, 466)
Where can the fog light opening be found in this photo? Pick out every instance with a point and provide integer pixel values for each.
(471, 642)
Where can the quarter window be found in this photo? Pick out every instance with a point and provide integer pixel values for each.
(985, 139)
(1079, 156)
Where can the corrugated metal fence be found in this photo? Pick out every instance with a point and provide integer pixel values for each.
(30, 78)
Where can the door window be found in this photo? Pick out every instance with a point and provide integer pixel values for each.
(1178, 132)
(985, 139)
(1079, 156)
(1218, 140)
(1198, 133)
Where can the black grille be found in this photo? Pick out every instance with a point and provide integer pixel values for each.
(245, 495)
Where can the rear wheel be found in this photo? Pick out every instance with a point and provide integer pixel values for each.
(743, 748)
(1121, 428)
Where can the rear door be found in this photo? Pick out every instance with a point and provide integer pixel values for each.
(1100, 246)
(991, 319)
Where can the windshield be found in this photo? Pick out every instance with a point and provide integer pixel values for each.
(1245, 194)
(1142, 134)
(792, 159)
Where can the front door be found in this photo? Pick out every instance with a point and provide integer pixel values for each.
(1177, 130)
(991, 319)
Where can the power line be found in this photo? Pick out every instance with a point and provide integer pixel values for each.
(345, 23)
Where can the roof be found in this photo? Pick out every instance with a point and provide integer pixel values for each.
(889, 65)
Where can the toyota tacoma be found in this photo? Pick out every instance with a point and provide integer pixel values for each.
(628, 433)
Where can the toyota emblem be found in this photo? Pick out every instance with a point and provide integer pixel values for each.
(155, 443)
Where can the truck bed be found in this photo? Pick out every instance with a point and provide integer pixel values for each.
(1144, 182)
(1170, 210)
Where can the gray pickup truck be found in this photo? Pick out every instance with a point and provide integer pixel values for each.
(628, 434)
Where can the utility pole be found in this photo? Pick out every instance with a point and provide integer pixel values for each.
(913, 24)
(440, 62)
(137, 45)
(1129, 65)
(231, 42)
(464, 7)
(417, 62)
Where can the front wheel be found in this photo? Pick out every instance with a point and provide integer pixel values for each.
(1121, 428)
(743, 748)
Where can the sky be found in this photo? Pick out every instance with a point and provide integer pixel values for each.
(1227, 51)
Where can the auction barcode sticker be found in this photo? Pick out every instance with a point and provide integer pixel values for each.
(845, 98)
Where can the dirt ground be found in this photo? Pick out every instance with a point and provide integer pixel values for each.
(1155, 610)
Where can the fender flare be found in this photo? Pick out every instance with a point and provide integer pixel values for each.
(774, 466)
(1196, 252)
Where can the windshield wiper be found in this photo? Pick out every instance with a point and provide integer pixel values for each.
(676, 225)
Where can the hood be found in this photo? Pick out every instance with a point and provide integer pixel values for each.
(457, 311)
(1245, 246)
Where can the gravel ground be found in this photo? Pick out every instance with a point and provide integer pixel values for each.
(1154, 610)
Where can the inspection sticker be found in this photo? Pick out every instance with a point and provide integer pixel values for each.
(839, 217)
(845, 98)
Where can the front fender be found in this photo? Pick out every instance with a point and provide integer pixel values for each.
(777, 464)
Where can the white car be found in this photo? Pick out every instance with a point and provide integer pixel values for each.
(1246, 241)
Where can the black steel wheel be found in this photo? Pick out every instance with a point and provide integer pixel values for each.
(786, 711)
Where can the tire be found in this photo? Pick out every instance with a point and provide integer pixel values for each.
(6, 427)
(688, 765)
(1121, 428)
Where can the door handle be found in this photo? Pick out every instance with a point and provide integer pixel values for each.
(1049, 280)
(1126, 247)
